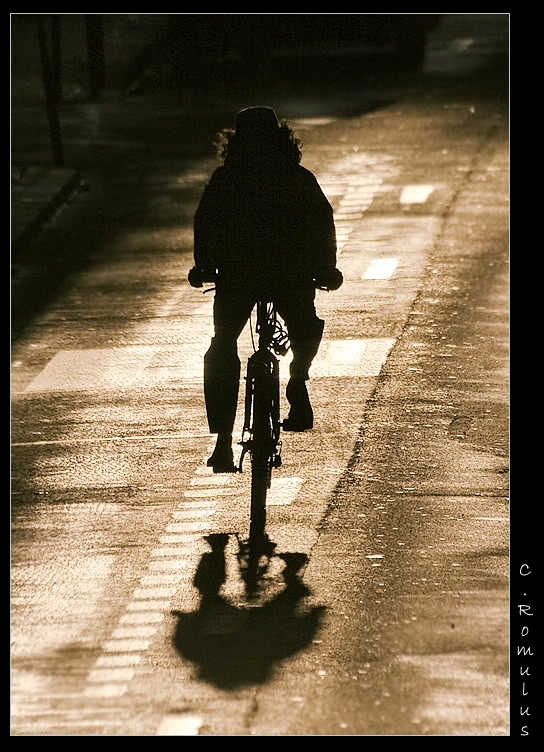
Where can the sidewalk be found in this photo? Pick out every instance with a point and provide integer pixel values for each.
(39, 190)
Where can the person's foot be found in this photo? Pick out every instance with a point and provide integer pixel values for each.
(301, 416)
(222, 457)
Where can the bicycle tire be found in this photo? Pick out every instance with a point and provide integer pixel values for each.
(261, 449)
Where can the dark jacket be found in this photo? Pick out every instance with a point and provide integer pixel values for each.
(265, 220)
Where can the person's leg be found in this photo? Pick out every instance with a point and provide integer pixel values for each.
(305, 329)
(222, 373)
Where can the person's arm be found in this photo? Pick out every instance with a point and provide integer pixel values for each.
(323, 241)
(205, 224)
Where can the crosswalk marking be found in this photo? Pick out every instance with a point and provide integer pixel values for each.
(100, 369)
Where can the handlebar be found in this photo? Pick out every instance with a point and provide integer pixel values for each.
(330, 279)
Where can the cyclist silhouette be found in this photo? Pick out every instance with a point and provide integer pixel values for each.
(263, 229)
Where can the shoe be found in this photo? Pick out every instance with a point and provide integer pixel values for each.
(301, 416)
(222, 460)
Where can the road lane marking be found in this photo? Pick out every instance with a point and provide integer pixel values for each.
(107, 675)
(203, 492)
(182, 724)
(346, 357)
(170, 565)
(128, 633)
(186, 513)
(283, 491)
(98, 369)
(168, 552)
(126, 646)
(142, 617)
(182, 538)
(381, 268)
(187, 527)
(103, 690)
(161, 579)
(53, 378)
(112, 661)
(415, 194)
(214, 479)
(145, 593)
(150, 605)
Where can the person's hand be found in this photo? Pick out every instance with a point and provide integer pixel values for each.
(197, 277)
(329, 278)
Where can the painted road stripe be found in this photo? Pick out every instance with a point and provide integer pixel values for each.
(179, 725)
(145, 593)
(187, 527)
(346, 357)
(202, 492)
(151, 605)
(129, 633)
(113, 661)
(107, 675)
(381, 268)
(283, 491)
(415, 194)
(126, 646)
(142, 618)
(170, 552)
(119, 367)
(170, 565)
(188, 513)
(74, 370)
(214, 479)
(181, 538)
(103, 690)
(161, 579)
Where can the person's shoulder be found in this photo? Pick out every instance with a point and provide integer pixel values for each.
(305, 174)
(217, 177)
(305, 178)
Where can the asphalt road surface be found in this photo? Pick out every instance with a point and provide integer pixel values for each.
(398, 496)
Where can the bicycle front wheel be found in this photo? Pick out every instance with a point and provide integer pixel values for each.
(262, 453)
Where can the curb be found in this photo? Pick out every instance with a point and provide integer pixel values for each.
(36, 194)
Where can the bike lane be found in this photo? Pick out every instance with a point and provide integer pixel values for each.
(124, 672)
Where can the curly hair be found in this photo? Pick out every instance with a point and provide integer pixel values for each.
(230, 146)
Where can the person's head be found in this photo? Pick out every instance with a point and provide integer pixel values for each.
(258, 131)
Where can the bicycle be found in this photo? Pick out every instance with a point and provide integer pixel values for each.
(261, 433)
(261, 436)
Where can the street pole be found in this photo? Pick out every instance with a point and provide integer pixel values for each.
(94, 31)
(56, 54)
(51, 95)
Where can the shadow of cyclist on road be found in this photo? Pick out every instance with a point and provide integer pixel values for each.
(233, 646)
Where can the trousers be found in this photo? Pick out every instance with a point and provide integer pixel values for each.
(231, 311)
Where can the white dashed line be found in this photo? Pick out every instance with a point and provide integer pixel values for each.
(381, 268)
(105, 690)
(415, 194)
(129, 633)
(179, 725)
(283, 491)
(110, 661)
(107, 675)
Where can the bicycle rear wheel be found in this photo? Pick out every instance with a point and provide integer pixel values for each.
(262, 452)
